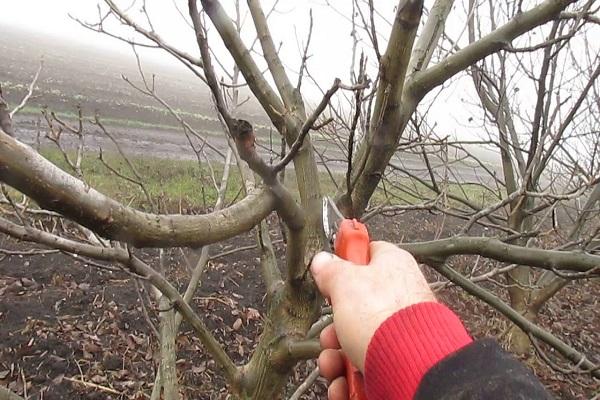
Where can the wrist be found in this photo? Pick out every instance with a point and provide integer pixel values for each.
(407, 345)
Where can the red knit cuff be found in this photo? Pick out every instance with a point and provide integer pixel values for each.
(407, 345)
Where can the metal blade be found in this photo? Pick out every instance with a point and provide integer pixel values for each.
(331, 217)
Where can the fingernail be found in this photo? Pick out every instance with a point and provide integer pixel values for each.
(319, 261)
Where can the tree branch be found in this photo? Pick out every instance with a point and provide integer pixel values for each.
(522, 322)
(304, 349)
(268, 260)
(437, 250)
(151, 35)
(430, 35)
(136, 266)
(425, 81)
(24, 169)
(254, 77)
(387, 119)
(5, 118)
(282, 81)
(29, 91)
(308, 382)
(306, 127)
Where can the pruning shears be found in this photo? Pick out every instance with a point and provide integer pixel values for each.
(350, 240)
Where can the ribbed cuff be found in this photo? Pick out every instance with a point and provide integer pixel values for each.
(407, 345)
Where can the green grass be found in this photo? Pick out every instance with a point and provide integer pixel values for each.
(173, 185)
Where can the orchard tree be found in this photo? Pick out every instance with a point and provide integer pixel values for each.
(533, 69)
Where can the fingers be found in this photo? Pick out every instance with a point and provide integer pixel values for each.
(325, 268)
(329, 339)
(338, 390)
(385, 253)
(331, 364)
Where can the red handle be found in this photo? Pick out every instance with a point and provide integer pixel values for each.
(352, 244)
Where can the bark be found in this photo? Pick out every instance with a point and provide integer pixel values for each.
(287, 320)
(5, 118)
(25, 170)
(387, 121)
(421, 83)
(501, 251)
(168, 351)
(430, 35)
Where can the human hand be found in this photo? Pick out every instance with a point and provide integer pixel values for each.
(362, 298)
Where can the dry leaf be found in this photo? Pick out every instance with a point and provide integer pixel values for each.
(237, 324)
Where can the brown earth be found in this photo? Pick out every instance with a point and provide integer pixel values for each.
(69, 330)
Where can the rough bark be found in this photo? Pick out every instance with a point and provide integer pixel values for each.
(168, 350)
(53, 189)
(505, 252)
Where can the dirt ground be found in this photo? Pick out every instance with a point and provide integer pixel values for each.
(69, 330)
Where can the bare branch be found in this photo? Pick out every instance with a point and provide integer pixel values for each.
(424, 81)
(430, 35)
(306, 127)
(498, 250)
(304, 350)
(387, 120)
(151, 35)
(29, 91)
(529, 327)
(305, 54)
(25, 170)
(308, 382)
(136, 266)
(282, 81)
(264, 93)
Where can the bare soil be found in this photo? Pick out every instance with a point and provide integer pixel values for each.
(69, 330)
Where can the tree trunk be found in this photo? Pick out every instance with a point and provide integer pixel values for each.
(288, 319)
(168, 356)
(519, 279)
(519, 341)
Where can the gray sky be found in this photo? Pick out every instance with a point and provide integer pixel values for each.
(330, 47)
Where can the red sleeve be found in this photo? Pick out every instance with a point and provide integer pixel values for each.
(407, 345)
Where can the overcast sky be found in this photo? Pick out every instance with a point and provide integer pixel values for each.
(330, 47)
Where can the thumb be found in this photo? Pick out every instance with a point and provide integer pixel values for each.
(325, 268)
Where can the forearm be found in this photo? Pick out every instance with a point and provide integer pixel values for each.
(407, 345)
(424, 352)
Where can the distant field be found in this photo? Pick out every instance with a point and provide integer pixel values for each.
(187, 186)
(74, 74)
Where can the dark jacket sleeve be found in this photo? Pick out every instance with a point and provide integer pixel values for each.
(480, 371)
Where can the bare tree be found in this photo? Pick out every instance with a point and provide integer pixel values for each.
(384, 122)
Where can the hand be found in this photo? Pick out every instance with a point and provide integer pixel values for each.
(362, 298)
